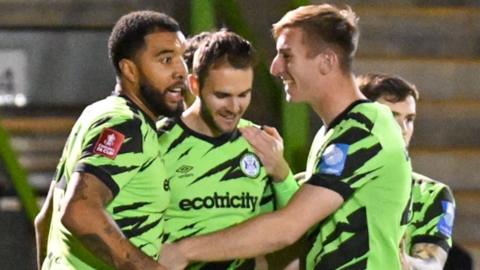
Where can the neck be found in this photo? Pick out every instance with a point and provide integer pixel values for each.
(193, 119)
(337, 94)
(122, 89)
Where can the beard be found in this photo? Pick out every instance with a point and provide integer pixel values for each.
(208, 119)
(155, 100)
(207, 116)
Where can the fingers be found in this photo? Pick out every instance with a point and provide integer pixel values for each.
(266, 133)
(254, 136)
(272, 132)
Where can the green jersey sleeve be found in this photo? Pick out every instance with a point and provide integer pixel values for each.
(277, 194)
(113, 151)
(285, 190)
(348, 162)
(433, 208)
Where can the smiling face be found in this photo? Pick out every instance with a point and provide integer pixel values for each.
(404, 112)
(162, 72)
(293, 65)
(225, 97)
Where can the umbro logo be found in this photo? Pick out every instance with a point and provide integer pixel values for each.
(184, 169)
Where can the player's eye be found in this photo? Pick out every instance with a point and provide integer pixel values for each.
(221, 95)
(166, 60)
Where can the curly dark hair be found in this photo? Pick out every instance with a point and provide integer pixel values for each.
(128, 34)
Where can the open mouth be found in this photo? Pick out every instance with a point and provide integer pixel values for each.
(176, 90)
(230, 118)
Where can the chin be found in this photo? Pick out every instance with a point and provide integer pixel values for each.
(228, 128)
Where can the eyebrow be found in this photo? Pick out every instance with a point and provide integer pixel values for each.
(225, 92)
(164, 51)
(246, 91)
(397, 113)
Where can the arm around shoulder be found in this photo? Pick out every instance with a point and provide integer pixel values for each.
(260, 235)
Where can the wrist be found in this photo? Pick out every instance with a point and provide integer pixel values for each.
(281, 173)
(183, 251)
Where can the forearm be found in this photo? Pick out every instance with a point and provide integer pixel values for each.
(260, 235)
(42, 227)
(102, 237)
(254, 237)
(84, 215)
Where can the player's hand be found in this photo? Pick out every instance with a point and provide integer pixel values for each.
(404, 258)
(172, 258)
(268, 145)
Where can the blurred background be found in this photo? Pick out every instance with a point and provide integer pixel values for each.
(53, 62)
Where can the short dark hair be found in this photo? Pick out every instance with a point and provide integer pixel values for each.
(222, 47)
(127, 36)
(324, 25)
(391, 87)
(192, 45)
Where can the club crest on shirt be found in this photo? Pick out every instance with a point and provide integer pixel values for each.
(445, 225)
(333, 159)
(109, 143)
(250, 165)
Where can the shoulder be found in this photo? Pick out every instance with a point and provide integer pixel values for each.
(419, 179)
(427, 184)
(115, 114)
(112, 110)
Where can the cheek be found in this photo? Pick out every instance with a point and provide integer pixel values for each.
(399, 121)
(157, 74)
(246, 102)
(410, 128)
(212, 104)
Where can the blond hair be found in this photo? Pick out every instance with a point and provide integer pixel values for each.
(324, 26)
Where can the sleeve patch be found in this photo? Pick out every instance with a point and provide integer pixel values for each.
(333, 159)
(445, 225)
(109, 143)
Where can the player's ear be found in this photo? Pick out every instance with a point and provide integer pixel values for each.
(129, 70)
(194, 84)
(327, 60)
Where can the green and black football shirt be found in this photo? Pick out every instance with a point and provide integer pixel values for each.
(215, 183)
(362, 157)
(115, 141)
(433, 212)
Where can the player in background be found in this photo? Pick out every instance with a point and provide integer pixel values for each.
(429, 233)
(354, 204)
(216, 179)
(105, 206)
(191, 45)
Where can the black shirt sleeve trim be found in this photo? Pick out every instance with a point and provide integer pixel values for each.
(431, 240)
(100, 174)
(332, 183)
